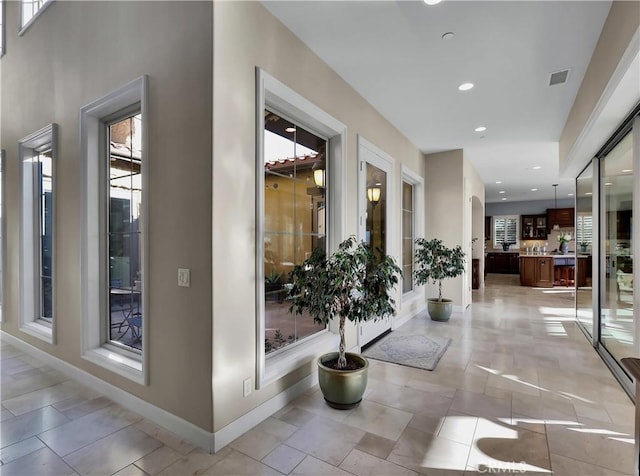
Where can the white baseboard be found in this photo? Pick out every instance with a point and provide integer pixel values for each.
(210, 442)
(406, 318)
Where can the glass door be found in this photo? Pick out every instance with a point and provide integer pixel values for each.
(617, 291)
(584, 249)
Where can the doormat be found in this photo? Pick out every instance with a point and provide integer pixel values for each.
(419, 351)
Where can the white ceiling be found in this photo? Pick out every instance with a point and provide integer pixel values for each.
(393, 54)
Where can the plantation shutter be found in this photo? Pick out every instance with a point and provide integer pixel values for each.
(505, 228)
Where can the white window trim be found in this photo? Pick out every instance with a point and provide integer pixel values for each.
(30, 322)
(32, 20)
(94, 273)
(3, 27)
(412, 178)
(271, 93)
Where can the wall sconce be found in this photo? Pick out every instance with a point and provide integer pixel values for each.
(318, 177)
(373, 194)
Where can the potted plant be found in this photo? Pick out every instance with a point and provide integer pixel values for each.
(435, 262)
(273, 284)
(583, 246)
(351, 284)
(563, 240)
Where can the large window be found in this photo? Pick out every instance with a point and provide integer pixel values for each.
(37, 155)
(115, 171)
(2, 26)
(3, 218)
(29, 10)
(295, 221)
(584, 230)
(408, 236)
(505, 230)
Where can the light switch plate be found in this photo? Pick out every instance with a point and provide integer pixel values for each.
(246, 387)
(184, 277)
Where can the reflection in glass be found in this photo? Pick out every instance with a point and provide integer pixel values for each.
(125, 232)
(376, 223)
(295, 221)
(407, 237)
(616, 189)
(584, 262)
(45, 226)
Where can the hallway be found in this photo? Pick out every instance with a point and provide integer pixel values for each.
(519, 389)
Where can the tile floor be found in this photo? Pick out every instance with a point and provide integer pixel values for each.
(519, 391)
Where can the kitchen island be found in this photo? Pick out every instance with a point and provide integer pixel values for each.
(542, 269)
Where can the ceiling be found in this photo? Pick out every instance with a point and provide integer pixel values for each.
(393, 54)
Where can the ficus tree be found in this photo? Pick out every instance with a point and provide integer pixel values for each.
(435, 262)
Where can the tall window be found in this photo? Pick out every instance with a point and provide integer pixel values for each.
(123, 234)
(29, 9)
(37, 154)
(2, 27)
(295, 221)
(505, 230)
(584, 230)
(2, 228)
(114, 248)
(408, 236)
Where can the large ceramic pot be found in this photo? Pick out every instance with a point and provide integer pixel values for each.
(564, 248)
(439, 310)
(343, 389)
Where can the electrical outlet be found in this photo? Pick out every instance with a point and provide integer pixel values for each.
(184, 277)
(246, 387)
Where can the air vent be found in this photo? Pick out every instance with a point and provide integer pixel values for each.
(559, 77)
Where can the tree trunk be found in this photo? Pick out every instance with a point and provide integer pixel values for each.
(342, 358)
(440, 290)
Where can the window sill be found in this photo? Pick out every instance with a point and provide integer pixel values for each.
(41, 331)
(280, 365)
(117, 363)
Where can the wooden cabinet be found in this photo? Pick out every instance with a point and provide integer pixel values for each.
(536, 271)
(533, 227)
(487, 228)
(475, 273)
(503, 263)
(563, 217)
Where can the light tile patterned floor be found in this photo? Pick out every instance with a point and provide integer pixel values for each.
(519, 391)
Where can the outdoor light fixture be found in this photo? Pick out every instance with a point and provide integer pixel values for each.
(373, 194)
(318, 177)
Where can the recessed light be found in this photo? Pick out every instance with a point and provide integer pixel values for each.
(570, 194)
(537, 167)
(432, 2)
(465, 86)
(501, 191)
(608, 183)
(480, 129)
(499, 182)
(588, 193)
(626, 171)
(534, 189)
(503, 198)
(448, 35)
(290, 129)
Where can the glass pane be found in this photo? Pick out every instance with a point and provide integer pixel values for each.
(2, 217)
(45, 215)
(407, 237)
(616, 186)
(584, 263)
(376, 223)
(125, 232)
(295, 221)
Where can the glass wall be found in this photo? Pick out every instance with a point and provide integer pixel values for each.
(584, 238)
(616, 291)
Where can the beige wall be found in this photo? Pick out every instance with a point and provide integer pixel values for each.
(446, 174)
(246, 36)
(622, 23)
(78, 52)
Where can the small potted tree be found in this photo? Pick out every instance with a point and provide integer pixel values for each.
(435, 262)
(350, 284)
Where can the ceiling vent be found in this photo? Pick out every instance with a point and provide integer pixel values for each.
(559, 77)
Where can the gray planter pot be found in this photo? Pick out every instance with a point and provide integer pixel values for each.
(342, 389)
(439, 310)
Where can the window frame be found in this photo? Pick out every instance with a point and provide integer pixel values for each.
(274, 95)
(3, 225)
(94, 118)
(516, 242)
(417, 182)
(3, 27)
(23, 28)
(30, 264)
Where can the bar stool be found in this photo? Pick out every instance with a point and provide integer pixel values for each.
(566, 273)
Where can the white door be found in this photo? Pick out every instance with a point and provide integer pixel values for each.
(374, 220)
